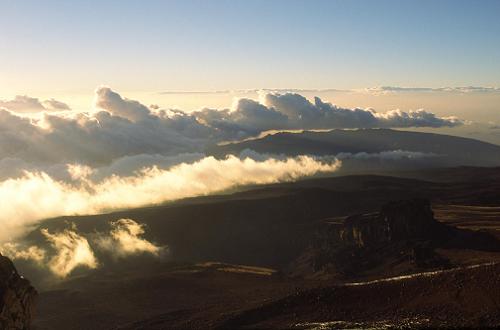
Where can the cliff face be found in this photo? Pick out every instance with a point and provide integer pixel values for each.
(401, 233)
(17, 298)
(396, 221)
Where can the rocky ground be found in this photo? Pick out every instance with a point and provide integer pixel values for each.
(459, 298)
(348, 252)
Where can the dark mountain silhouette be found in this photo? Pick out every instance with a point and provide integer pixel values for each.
(448, 150)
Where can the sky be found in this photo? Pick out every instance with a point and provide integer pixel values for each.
(71, 47)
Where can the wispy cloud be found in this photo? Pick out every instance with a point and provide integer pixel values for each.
(17, 251)
(252, 91)
(125, 238)
(377, 90)
(72, 251)
(382, 90)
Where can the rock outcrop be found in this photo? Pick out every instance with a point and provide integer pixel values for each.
(396, 221)
(17, 298)
(402, 233)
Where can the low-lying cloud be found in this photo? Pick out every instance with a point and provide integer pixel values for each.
(386, 155)
(36, 195)
(17, 251)
(125, 239)
(70, 250)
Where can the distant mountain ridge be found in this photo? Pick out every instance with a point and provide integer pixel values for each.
(451, 150)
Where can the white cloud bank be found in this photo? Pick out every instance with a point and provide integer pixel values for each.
(36, 195)
(294, 111)
(124, 128)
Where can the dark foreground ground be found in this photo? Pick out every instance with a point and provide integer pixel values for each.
(204, 284)
(203, 297)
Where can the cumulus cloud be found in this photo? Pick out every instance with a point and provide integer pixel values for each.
(125, 238)
(125, 108)
(53, 104)
(97, 139)
(72, 251)
(247, 118)
(294, 111)
(24, 103)
(417, 118)
(318, 115)
(126, 128)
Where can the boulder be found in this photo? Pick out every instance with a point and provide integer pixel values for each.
(17, 298)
